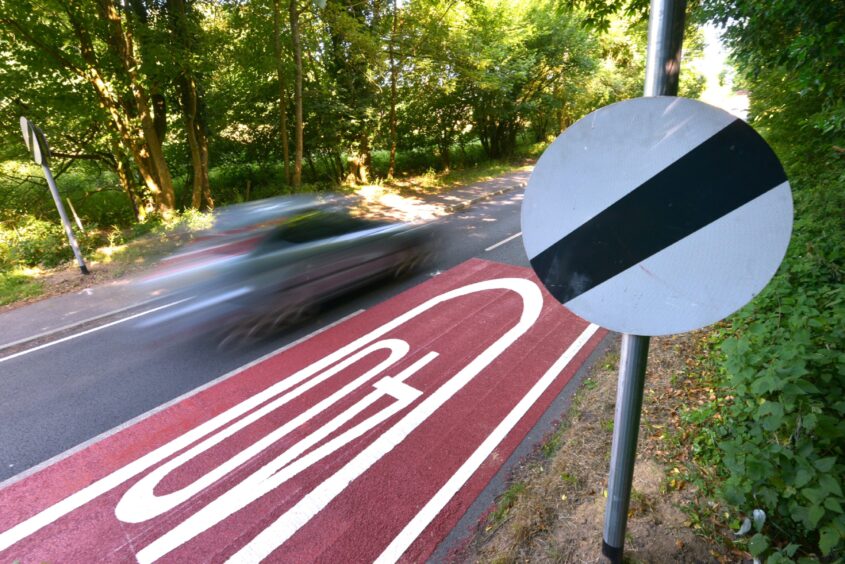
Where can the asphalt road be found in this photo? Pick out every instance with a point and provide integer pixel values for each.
(63, 395)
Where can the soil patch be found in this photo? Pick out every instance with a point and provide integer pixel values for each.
(553, 510)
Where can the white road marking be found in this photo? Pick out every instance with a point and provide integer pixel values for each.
(75, 335)
(141, 503)
(500, 243)
(427, 514)
(277, 533)
(80, 498)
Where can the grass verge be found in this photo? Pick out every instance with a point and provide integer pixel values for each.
(17, 285)
(553, 510)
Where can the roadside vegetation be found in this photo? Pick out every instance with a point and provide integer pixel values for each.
(553, 509)
(745, 421)
(36, 261)
(772, 437)
(153, 108)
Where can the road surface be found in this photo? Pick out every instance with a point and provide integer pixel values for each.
(359, 435)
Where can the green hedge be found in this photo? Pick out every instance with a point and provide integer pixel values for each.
(781, 445)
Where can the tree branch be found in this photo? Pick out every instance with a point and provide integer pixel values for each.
(56, 54)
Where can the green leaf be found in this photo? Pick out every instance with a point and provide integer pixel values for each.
(815, 515)
(802, 477)
(833, 504)
(758, 544)
(825, 464)
(828, 539)
(815, 495)
(830, 484)
(772, 415)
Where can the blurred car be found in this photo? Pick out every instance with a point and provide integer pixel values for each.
(269, 263)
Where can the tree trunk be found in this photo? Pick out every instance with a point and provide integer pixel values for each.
(202, 139)
(338, 166)
(392, 166)
(362, 160)
(297, 92)
(191, 108)
(120, 114)
(310, 160)
(137, 27)
(121, 42)
(189, 111)
(283, 94)
(159, 115)
(124, 177)
(445, 160)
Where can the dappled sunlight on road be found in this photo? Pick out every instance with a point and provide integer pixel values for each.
(381, 201)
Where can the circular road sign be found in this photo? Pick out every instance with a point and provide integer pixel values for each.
(35, 142)
(657, 215)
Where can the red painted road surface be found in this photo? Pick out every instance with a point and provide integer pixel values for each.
(366, 442)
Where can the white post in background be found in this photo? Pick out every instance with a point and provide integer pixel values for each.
(37, 145)
(65, 221)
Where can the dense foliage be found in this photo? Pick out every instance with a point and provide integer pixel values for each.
(147, 102)
(781, 439)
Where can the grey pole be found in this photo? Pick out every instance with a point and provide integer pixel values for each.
(65, 221)
(37, 145)
(665, 38)
(626, 426)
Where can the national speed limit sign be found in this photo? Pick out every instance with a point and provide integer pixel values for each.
(657, 215)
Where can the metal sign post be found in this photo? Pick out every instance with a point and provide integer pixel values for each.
(663, 65)
(654, 216)
(37, 145)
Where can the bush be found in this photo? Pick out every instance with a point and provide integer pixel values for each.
(33, 242)
(782, 443)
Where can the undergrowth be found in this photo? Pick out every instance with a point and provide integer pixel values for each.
(772, 436)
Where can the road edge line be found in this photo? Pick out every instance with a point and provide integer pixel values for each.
(138, 418)
(457, 541)
(75, 324)
(429, 512)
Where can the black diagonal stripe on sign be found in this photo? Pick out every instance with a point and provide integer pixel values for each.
(729, 169)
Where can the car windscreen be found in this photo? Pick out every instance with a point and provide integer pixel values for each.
(314, 226)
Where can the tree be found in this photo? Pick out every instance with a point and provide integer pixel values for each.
(356, 57)
(283, 95)
(105, 59)
(792, 56)
(296, 41)
(184, 29)
(394, 71)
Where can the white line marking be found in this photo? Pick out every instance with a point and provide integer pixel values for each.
(500, 243)
(196, 306)
(268, 539)
(91, 492)
(74, 324)
(73, 450)
(278, 532)
(140, 503)
(427, 514)
(75, 335)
